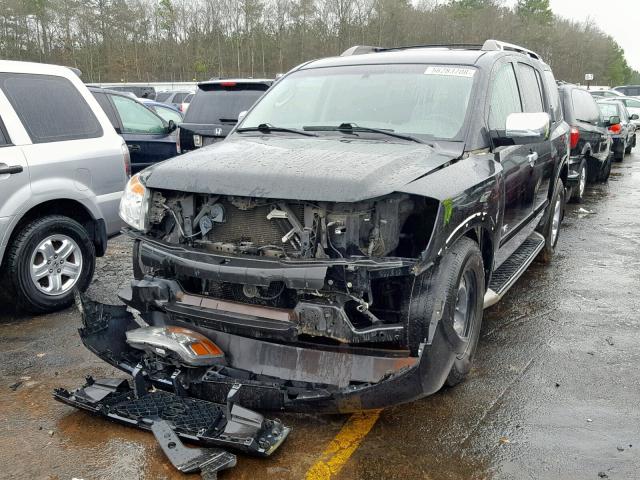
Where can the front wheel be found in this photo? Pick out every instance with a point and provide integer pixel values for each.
(457, 286)
(551, 229)
(47, 260)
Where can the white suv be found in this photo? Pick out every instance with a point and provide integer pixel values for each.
(62, 171)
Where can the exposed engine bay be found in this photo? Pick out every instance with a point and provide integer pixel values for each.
(362, 253)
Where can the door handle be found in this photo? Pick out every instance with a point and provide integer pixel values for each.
(532, 157)
(10, 170)
(134, 148)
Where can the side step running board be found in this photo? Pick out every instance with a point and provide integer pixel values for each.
(511, 270)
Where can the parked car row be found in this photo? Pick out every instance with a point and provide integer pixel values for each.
(601, 130)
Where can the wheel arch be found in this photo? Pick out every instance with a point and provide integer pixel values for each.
(70, 208)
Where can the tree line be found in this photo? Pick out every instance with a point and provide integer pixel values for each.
(186, 40)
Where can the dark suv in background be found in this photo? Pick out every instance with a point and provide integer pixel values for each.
(590, 142)
(215, 108)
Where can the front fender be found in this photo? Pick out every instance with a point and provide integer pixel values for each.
(469, 195)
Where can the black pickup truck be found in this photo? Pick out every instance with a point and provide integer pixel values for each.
(336, 251)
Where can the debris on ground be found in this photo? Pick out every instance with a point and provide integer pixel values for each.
(609, 340)
(15, 386)
(504, 440)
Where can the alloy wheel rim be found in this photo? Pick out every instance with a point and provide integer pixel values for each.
(463, 307)
(555, 223)
(56, 265)
(583, 180)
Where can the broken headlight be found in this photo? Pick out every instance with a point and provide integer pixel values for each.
(189, 347)
(134, 203)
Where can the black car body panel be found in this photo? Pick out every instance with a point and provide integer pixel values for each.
(304, 254)
(621, 137)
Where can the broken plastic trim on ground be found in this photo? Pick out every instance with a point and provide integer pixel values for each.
(166, 410)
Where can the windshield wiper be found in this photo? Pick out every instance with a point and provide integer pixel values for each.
(350, 127)
(228, 120)
(268, 128)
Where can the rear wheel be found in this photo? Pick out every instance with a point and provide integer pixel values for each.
(578, 193)
(47, 260)
(606, 170)
(618, 154)
(551, 230)
(457, 286)
(630, 145)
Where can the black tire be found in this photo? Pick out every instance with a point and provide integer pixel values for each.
(577, 195)
(17, 276)
(550, 242)
(439, 289)
(605, 172)
(627, 151)
(618, 155)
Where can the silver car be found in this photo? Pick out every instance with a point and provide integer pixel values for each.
(62, 172)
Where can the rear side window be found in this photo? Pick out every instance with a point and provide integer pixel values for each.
(218, 104)
(50, 107)
(631, 103)
(530, 89)
(505, 98)
(584, 106)
(630, 91)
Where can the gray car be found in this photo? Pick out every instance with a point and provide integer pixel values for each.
(62, 172)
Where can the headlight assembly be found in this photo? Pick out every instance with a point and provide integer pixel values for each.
(135, 203)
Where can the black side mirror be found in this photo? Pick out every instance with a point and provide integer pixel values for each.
(635, 116)
(613, 120)
(172, 126)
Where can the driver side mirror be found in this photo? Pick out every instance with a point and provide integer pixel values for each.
(241, 115)
(524, 128)
(614, 120)
(172, 126)
(635, 116)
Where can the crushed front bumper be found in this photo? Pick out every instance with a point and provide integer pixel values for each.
(272, 375)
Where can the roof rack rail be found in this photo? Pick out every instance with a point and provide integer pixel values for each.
(488, 46)
(362, 49)
(495, 45)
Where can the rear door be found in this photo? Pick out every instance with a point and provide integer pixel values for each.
(145, 133)
(539, 156)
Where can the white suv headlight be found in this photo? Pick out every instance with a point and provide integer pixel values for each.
(135, 203)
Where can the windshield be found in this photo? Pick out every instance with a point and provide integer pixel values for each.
(219, 104)
(418, 100)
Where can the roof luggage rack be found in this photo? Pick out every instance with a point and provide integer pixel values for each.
(488, 46)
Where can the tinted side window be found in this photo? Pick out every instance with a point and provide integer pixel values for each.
(530, 89)
(163, 96)
(50, 107)
(505, 98)
(4, 138)
(135, 117)
(584, 106)
(554, 97)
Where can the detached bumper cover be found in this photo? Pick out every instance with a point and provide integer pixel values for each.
(273, 376)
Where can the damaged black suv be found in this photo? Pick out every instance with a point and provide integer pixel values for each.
(338, 248)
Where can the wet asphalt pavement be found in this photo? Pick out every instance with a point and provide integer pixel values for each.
(554, 393)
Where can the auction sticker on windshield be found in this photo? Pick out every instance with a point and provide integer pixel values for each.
(450, 71)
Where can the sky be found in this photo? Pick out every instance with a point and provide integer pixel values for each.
(618, 18)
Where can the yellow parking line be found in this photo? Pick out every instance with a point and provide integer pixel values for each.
(343, 445)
